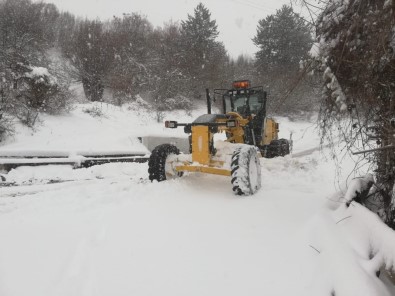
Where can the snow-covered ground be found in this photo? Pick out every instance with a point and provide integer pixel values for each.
(107, 230)
(89, 129)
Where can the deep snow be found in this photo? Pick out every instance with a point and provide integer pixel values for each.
(107, 230)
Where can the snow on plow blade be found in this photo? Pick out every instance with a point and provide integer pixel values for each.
(16, 158)
(152, 141)
(77, 161)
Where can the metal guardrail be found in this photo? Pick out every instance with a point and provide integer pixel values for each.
(374, 150)
(10, 163)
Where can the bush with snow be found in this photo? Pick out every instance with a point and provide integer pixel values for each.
(94, 111)
(6, 126)
(38, 91)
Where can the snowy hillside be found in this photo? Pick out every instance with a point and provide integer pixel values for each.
(107, 230)
(90, 128)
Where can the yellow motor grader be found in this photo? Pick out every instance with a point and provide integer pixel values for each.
(249, 135)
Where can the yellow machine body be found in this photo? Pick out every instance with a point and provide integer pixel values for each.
(270, 131)
(202, 144)
(244, 121)
(201, 141)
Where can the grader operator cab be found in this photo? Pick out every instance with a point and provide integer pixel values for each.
(249, 103)
(249, 135)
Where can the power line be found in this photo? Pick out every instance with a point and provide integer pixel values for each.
(254, 5)
(294, 85)
(260, 5)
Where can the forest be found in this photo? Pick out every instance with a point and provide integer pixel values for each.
(44, 51)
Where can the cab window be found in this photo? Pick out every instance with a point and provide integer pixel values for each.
(228, 106)
(256, 103)
(240, 104)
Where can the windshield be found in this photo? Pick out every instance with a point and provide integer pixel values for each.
(227, 105)
(256, 103)
(240, 104)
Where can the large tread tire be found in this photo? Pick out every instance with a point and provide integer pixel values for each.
(284, 147)
(273, 149)
(278, 148)
(157, 162)
(245, 171)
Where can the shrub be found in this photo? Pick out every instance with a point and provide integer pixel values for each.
(6, 126)
(39, 91)
(94, 111)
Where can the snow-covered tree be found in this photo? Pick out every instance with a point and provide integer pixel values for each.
(242, 68)
(21, 40)
(169, 78)
(130, 42)
(66, 29)
(356, 42)
(27, 32)
(203, 56)
(284, 40)
(92, 57)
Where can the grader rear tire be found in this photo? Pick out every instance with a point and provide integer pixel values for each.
(246, 171)
(159, 166)
(278, 148)
(284, 147)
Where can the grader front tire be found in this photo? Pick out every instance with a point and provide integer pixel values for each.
(159, 166)
(245, 171)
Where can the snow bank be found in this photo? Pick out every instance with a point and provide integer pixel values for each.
(115, 130)
(348, 246)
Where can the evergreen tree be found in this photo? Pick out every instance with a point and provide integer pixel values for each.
(242, 68)
(284, 39)
(200, 50)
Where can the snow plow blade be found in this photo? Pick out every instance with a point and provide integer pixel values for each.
(150, 142)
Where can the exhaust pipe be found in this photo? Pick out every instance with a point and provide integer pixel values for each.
(208, 101)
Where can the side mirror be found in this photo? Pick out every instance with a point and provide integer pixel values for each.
(171, 124)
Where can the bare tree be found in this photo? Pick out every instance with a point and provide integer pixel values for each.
(92, 56)
(132, 51)
(358, 64)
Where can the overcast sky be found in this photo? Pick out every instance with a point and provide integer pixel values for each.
(236, 19)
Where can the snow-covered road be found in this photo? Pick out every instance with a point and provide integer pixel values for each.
(107, 230)
(118, 234)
